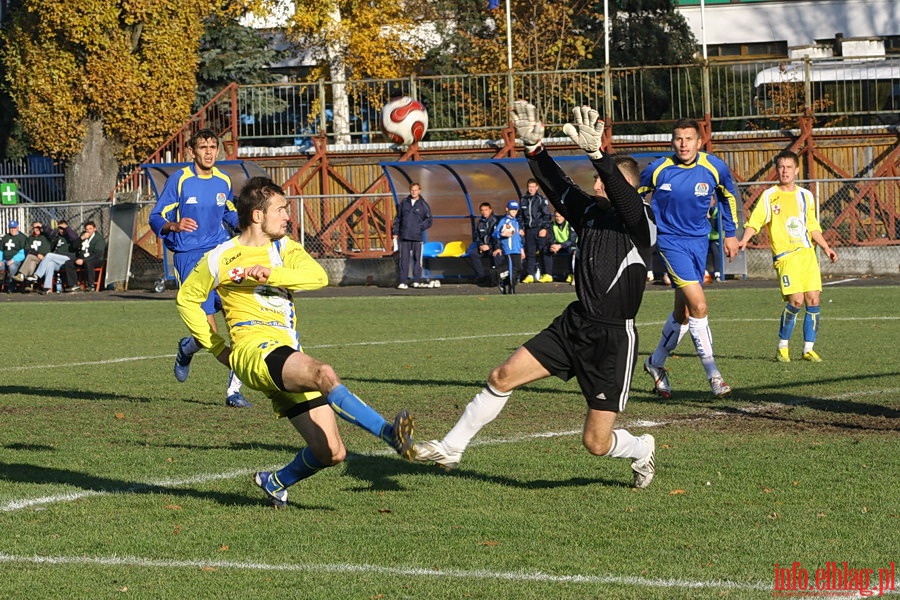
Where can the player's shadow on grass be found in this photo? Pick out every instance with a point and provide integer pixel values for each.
(36, 474)
(68, 394)
(379, 472)
(548, 384)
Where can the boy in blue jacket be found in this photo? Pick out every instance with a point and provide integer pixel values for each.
(508, 257)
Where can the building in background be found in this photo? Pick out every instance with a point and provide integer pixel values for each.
(772, 28)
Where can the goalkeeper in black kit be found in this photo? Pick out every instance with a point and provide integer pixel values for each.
(594, 339)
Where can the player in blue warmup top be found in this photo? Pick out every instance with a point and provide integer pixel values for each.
(190, 216)
(682, 186)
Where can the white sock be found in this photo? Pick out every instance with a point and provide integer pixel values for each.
(703, 343)
(672, 333)
(234, 384)
(626, 445)
(783, 343)
(482, 409)
(807, 347)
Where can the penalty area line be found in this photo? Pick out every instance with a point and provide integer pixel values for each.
(349, 568)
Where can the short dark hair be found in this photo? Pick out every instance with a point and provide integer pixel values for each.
(488, 204)
(255, 195)
(203, 134)
(687, 124)
(91, 223)
(787, 154)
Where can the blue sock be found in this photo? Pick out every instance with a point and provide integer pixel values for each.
(788, 320)
(304, 465)
(811, 323)
(352, 409)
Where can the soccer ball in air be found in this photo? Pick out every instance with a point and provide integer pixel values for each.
(404, 120)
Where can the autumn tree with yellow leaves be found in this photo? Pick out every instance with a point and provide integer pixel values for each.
(99, 82)
(352, 40)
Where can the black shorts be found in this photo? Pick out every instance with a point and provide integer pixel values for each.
(600, 354)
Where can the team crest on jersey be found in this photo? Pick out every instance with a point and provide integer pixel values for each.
(701, 189)
(776, 209)
(236, 274)
(220, 199)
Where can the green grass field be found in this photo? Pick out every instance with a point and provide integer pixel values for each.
(116, 481)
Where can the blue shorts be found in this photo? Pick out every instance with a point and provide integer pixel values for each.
(685, 258)
(184, 264)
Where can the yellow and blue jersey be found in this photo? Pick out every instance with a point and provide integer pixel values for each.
(789, 216)
(207, 199)
(682, 195)
(255, 312)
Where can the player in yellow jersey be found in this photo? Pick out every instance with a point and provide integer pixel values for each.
(788, 213)
(256, 274)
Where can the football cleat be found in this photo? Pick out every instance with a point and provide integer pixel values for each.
(660, 377)
(645, 468)
(528, 279)
(811, 356)
(719, 388)
(183, 361)
(273, 489)
(545, 278)
(570, 279)
(782, 355)
(402, 438)
(402, 286)
(237, 400)
(435, 452)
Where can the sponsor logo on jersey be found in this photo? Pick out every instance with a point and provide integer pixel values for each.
(191, 200)
(701, 189)
(666, 187)
(795, 227)
(221, 199)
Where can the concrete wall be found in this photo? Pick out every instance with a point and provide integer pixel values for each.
(852, 262)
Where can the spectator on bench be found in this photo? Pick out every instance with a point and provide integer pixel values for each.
(89, 254)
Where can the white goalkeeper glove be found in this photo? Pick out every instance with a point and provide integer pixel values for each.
(586, 131)
(528, 128)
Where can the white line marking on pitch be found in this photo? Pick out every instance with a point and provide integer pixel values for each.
(461, 338)
(366, 568)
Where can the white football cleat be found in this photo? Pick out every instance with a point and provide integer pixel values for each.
(435, 451)
(719, 388)
(645, 468)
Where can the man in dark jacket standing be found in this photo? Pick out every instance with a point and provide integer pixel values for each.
(534, 217)
(484, 244)
(412, 220)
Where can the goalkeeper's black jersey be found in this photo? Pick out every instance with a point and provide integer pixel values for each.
(615, 237)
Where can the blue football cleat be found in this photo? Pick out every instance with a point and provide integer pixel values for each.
(183, 361)
(269, 484)
(237, 400)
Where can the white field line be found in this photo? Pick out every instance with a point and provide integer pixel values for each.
(518, 576)
(460, 338)
(350, 568)
(206, 477)
(400, 571)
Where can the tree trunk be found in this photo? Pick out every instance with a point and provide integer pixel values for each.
(340, 103)
(91, 174)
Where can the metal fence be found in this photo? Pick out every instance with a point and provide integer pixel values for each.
(737, 95)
